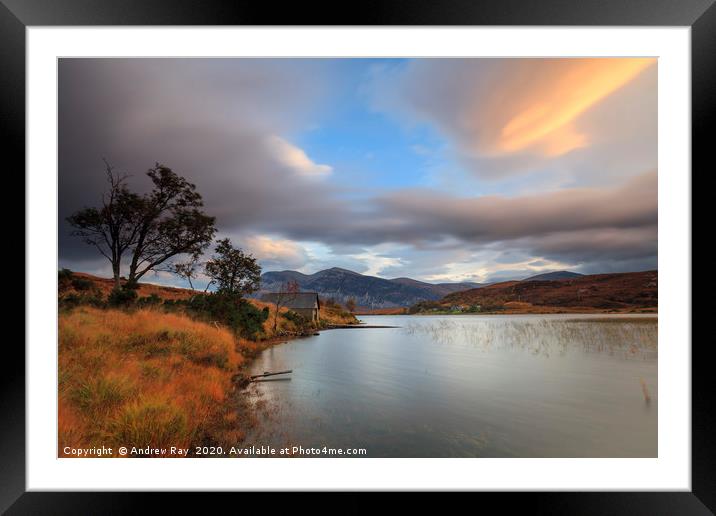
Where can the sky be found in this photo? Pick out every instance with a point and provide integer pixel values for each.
(436, 169)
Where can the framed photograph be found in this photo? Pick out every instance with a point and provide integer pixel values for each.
(421, 249)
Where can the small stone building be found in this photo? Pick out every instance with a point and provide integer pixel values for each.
(305, 304)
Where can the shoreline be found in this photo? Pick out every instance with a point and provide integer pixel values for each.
(263, 345)
(646, 312)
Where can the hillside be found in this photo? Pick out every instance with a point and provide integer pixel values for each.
(442, 289)
(631, 291)
(557, 275)
(93, 290)
(105, 286)
(368, 291)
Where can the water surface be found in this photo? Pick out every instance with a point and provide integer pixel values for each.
(468, 386)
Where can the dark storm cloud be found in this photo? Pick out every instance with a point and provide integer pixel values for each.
(490, 218)
(210, 120)
(572, 225)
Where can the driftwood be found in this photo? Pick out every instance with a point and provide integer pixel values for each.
(367, 326)
(242, 381)
(267, 373)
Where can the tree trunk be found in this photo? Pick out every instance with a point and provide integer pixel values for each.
(115, 271)
(275, 317)
(132, 275)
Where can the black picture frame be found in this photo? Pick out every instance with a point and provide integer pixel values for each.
(16, 15)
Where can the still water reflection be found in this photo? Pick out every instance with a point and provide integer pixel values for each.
(468, 386)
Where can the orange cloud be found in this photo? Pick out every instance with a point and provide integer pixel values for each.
(265, 247)
(295, 158)
(537, 106)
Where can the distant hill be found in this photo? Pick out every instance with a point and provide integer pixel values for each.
(556, 275)
(442, 289)
(600, 292)
(368, 291)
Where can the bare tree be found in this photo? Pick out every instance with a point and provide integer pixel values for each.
(287, 293)
(151, 228)
(188, 270)
(112, 227)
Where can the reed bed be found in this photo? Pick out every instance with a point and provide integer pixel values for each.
(629, 338)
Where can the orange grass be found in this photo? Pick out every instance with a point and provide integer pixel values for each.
(105, 286)
(328, 316)
(155, 378)
(336, 315)
(143, 378)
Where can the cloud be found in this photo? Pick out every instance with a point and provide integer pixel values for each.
(496, 218)
(488, 272)
(507, 116)
(375, 262)
(295, 158)
(272, 252)
(541, 116)
(565, 141)
(208, 119)
(609, 243)
(441, 237)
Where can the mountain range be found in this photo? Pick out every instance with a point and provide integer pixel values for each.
(367, 291)
(373, 292)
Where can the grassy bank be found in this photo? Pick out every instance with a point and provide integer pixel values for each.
(151, 377)
(146, 378)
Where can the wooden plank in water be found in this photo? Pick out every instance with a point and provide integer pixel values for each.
(341, 326)
(267, 373)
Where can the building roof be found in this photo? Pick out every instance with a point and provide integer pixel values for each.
(293, 299)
